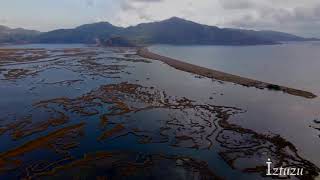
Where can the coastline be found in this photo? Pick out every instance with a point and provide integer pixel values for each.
(219, 75)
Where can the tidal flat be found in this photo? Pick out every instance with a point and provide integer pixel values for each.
(73, 111)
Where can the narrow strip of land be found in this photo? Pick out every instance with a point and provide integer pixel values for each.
(218, 75)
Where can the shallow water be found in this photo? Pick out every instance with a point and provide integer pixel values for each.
(127, 114)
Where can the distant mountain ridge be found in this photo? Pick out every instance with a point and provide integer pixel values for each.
(87, 33)
(179, 31)
(170, 31)
(18, 35)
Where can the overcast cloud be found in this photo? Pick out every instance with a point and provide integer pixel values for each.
(301, 17)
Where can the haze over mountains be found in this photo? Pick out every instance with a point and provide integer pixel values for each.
(19, 35)
(171, 31)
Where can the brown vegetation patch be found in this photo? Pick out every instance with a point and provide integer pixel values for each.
(16, 73)
(186, 124)
(128, 166)
(109, 133)
(53, 139)
(21, 55)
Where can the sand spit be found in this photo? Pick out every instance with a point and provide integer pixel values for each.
(218, 75)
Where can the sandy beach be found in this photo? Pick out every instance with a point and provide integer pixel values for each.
(218, 75)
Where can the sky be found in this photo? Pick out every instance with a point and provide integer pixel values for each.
(301, 17)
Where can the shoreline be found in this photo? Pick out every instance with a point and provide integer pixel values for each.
(219, 75)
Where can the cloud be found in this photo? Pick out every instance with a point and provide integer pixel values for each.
(3, 20)
(132, 11)
(134, 4)
(295, 16)
(90, 3)
(237, 4)
(147, 1)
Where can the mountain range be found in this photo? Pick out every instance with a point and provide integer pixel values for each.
(171, 31)
(18, 35)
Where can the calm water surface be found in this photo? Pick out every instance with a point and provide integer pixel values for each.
(294, 64)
